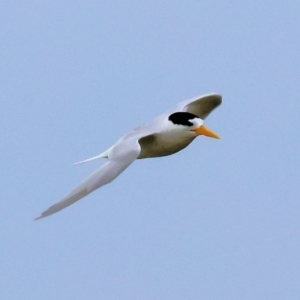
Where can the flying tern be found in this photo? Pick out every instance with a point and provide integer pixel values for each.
(165, 135)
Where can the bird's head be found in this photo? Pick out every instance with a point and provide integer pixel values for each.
(186, 121)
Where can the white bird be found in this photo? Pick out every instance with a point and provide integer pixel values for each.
(166, 135)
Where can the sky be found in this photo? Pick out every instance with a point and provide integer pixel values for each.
(218, 220)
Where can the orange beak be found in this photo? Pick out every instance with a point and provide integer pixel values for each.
(202, 130)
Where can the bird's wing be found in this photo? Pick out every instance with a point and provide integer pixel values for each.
(200, 106)
(120, 157)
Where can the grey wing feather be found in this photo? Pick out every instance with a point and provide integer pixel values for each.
(200, 106)
(120, 157)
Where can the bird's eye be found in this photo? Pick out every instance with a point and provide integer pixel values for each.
(182, 118)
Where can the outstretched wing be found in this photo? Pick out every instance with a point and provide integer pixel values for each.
(120, 157)
(200, 106)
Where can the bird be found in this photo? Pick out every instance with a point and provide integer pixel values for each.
(165, 135)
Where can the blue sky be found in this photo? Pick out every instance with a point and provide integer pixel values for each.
(219, 220)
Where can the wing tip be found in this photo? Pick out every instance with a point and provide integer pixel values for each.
(217, 98)
(38, 218)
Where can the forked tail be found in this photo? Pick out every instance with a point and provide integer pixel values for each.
(102, 155)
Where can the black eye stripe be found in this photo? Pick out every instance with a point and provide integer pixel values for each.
(182, 118)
